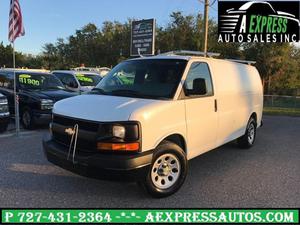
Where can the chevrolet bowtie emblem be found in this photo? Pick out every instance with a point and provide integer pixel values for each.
(70, 131)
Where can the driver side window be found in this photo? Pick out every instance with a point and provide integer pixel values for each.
(199, 71)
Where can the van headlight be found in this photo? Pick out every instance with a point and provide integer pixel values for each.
(119, 131)
(46, 104)
(121, 136)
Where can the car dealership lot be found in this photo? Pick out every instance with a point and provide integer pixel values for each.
(268, 175)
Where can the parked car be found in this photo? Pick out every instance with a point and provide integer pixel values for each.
(4, 113)
(104, 71)
(101, 70)
(79, 81)
(150, 116)
(37, 93)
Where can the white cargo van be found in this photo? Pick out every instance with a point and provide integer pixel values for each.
(149, 116)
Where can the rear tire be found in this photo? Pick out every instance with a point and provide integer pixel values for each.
(167, 172)
(248, 139)
(28, 119)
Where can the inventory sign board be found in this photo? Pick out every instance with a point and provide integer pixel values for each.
(142, 37)
(259, 21)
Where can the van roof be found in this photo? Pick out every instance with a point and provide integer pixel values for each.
(187, 58)
(164, 57)
(188, 55)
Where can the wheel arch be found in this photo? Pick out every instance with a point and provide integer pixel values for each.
(253, 115)
(176, 138)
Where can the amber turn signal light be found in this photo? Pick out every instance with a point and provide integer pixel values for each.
(118, 146)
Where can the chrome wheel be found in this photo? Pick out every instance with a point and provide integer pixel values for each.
(165, 171)
(251, 133)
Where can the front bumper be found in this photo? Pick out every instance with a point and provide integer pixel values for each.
(107, 166)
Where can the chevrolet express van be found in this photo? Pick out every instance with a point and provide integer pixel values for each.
(149, 116)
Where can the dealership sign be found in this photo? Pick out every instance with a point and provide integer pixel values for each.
(142, 37)
(258, 21)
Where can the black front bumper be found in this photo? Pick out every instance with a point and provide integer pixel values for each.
(108, 166)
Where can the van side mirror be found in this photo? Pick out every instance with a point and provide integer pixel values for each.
(199, 87)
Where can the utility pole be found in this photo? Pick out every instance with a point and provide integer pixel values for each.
(206, 5)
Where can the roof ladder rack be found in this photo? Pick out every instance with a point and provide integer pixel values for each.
(191, 53)
(243, 61)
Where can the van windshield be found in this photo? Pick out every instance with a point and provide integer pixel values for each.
(144, 78)
(39, 81)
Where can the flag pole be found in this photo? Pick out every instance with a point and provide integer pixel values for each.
(15, 6)
(17, 118)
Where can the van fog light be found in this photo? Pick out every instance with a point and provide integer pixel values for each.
(119, 131)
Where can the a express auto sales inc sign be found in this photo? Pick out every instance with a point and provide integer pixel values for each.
(259, 21)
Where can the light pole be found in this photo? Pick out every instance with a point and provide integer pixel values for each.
(206, 5)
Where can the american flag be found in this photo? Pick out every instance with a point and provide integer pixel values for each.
(16, 28)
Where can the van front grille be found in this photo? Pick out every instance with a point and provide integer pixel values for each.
(87, 134)
(83, 124)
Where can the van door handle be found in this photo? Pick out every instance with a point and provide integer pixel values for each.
(216, 105)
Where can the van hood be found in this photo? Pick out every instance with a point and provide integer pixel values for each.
(100, 108)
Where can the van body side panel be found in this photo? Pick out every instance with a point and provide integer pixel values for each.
(239, 94)
(202, 124)
(159, 120)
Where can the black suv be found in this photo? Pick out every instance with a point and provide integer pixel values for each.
(4, 114)
(37, 92)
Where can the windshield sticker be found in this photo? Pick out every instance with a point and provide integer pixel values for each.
(81, 77)
(24, 76)
(26, 79)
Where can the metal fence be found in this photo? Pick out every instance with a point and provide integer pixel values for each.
(280, 101)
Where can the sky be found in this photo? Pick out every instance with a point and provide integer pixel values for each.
(47, 20)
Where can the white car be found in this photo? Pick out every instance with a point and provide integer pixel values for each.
(78, 81)
(101, 70)
(151, 115)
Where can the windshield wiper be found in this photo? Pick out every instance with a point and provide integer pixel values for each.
(133, 93)
(55, 87)
(99, 90)
(124, 91)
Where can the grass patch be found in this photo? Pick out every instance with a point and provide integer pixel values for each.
(281, 111)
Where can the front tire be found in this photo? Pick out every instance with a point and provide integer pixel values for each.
(28, 119)
(248, 139)
(168, 170)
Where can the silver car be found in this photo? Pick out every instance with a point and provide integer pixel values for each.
(78, 81)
